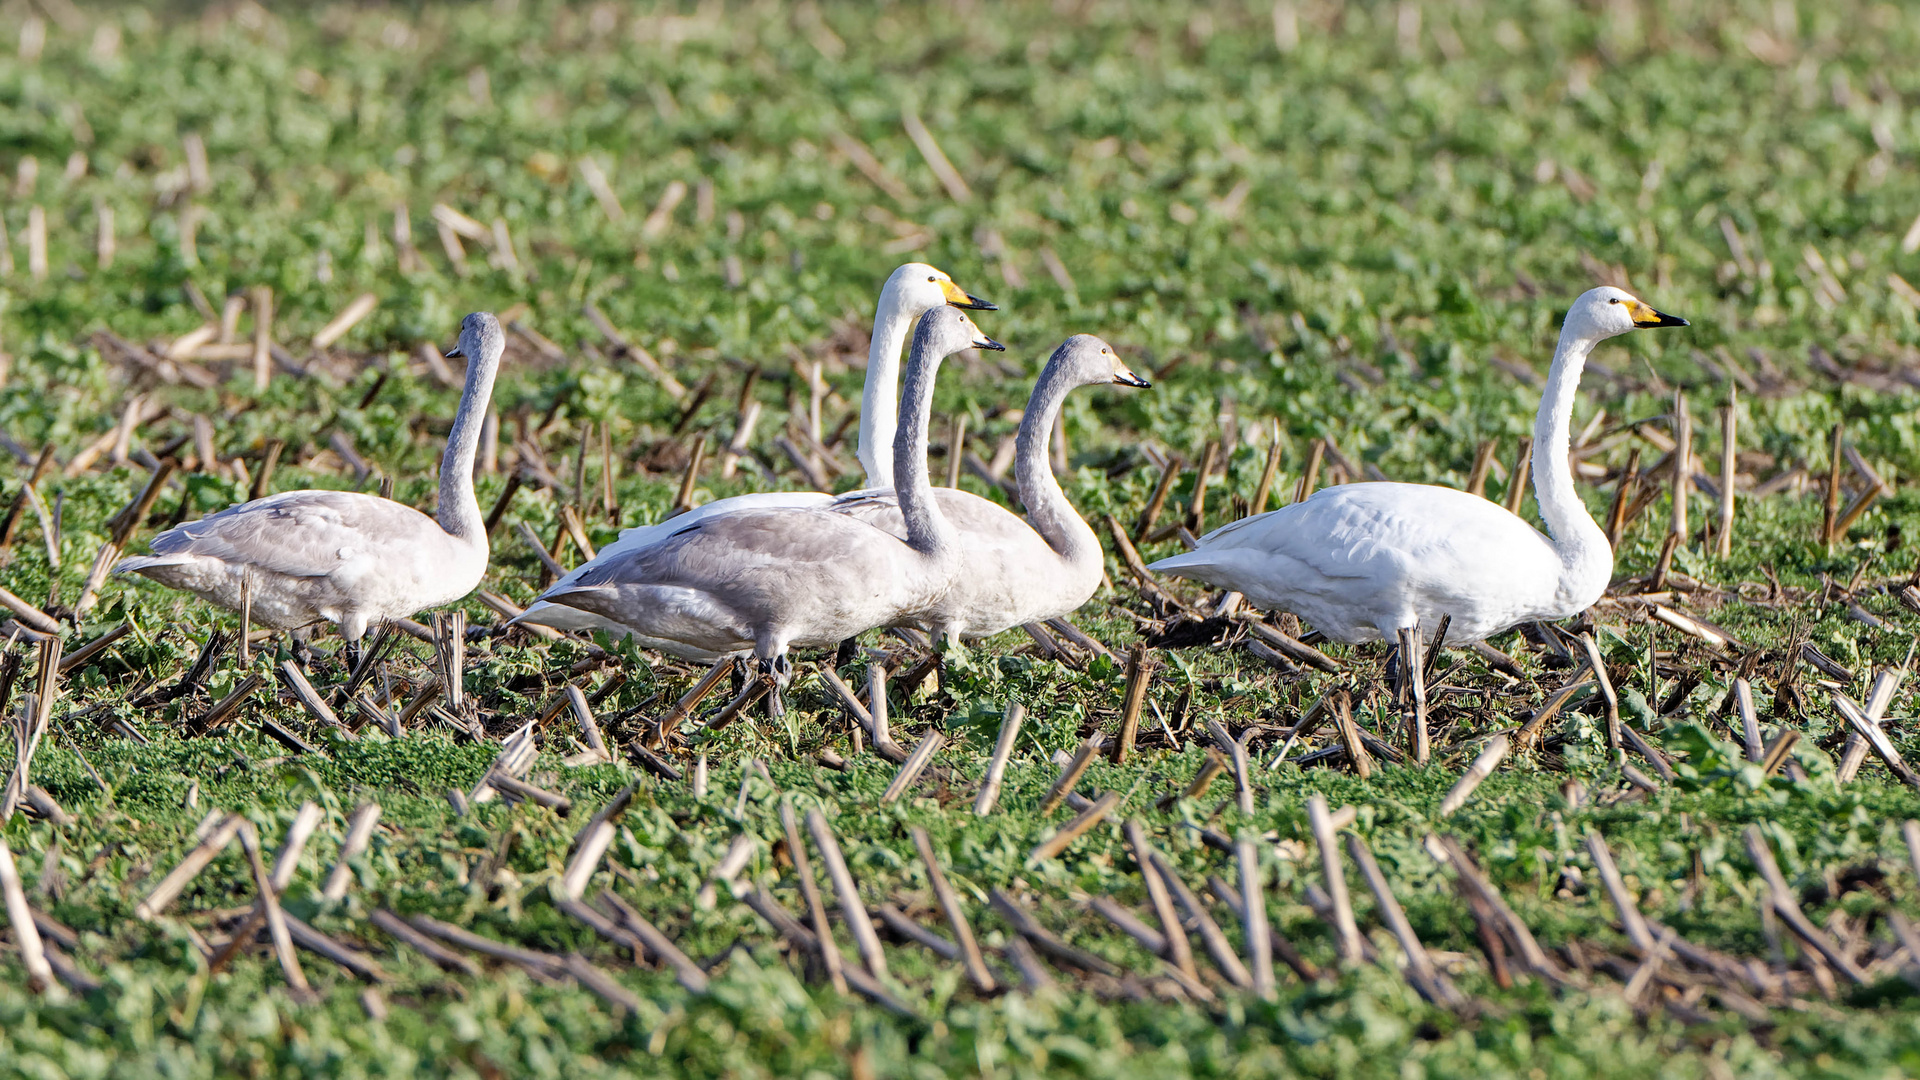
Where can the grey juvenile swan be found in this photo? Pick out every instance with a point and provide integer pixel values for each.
(1013, 571)
(763, 580)
(910, 292)
(339, 556)
(1361, 562)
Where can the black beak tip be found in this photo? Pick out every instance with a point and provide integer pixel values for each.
(1675, 320)
(974, 303)
(1134, 381)
(454, 353)
(989, 343)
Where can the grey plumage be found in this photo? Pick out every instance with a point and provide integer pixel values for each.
(339, 556)
(911, 290)
(762, 580)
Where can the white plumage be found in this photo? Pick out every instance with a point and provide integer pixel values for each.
(1015, 571)
(1359, 557)
(1360, 562)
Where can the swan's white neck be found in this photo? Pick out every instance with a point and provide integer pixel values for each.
(459, 510)
(928, 530)
(1048, 510)
(1584, 551)
(879, 400)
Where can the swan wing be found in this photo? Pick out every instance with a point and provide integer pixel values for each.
(814, 575)
(1360, 530)
(1356, 556)
(304, 534)
(1009, 574)
(980, 522)
(640, 536)
(566, 617)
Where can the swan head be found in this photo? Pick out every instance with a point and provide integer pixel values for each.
(919, 288)
(1088, 361)
(1609, 312)
(480, 337)
(947, 330)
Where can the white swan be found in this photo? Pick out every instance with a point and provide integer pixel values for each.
(1360, 562)
(764, 580)
(911, 291)
(1016, 571)
(340, 556)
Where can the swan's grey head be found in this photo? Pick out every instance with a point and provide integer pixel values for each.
(480, 337)
(1608, 312)
(947, 330)
(919, 288)
(1086, 360)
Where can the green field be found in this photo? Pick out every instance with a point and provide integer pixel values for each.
(1351, 223)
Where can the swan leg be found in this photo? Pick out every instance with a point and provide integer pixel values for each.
(946, 639)
(770, 650)
(302, 647)
(844, 655)
(1409, 684)
(778, 671)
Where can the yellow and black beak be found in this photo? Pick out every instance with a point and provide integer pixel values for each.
(455, 353)
(961, 298)
(985, 342)
(1125, 377)
(1646, 317)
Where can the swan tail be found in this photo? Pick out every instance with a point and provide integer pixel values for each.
(557, 616)
(568, 595)
(140, 564)
(1185, 564)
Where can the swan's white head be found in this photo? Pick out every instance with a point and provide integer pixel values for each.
(1086, 360)
(947, 330)
(480, 338)
(1609, 312)
(919, 288)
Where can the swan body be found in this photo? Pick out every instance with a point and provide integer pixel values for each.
(339, 556)
(763, 580)
(1360, 562)
(757, 581)
(910, 292)
(1353, 559)
(997, 551)
(1016, 571)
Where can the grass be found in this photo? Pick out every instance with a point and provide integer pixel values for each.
(1367, 237)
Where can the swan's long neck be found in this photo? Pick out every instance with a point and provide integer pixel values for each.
(1048, 510)
(1581, 543)
(879, 399)
(928, 530)
(459, 510)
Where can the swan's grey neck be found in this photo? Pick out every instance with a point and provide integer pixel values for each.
(1048, 510)
(928, 530)
(1578, 539)
(879, 399)
(459, 510)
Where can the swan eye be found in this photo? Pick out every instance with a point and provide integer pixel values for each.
(1613, 300)
(935, 279)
